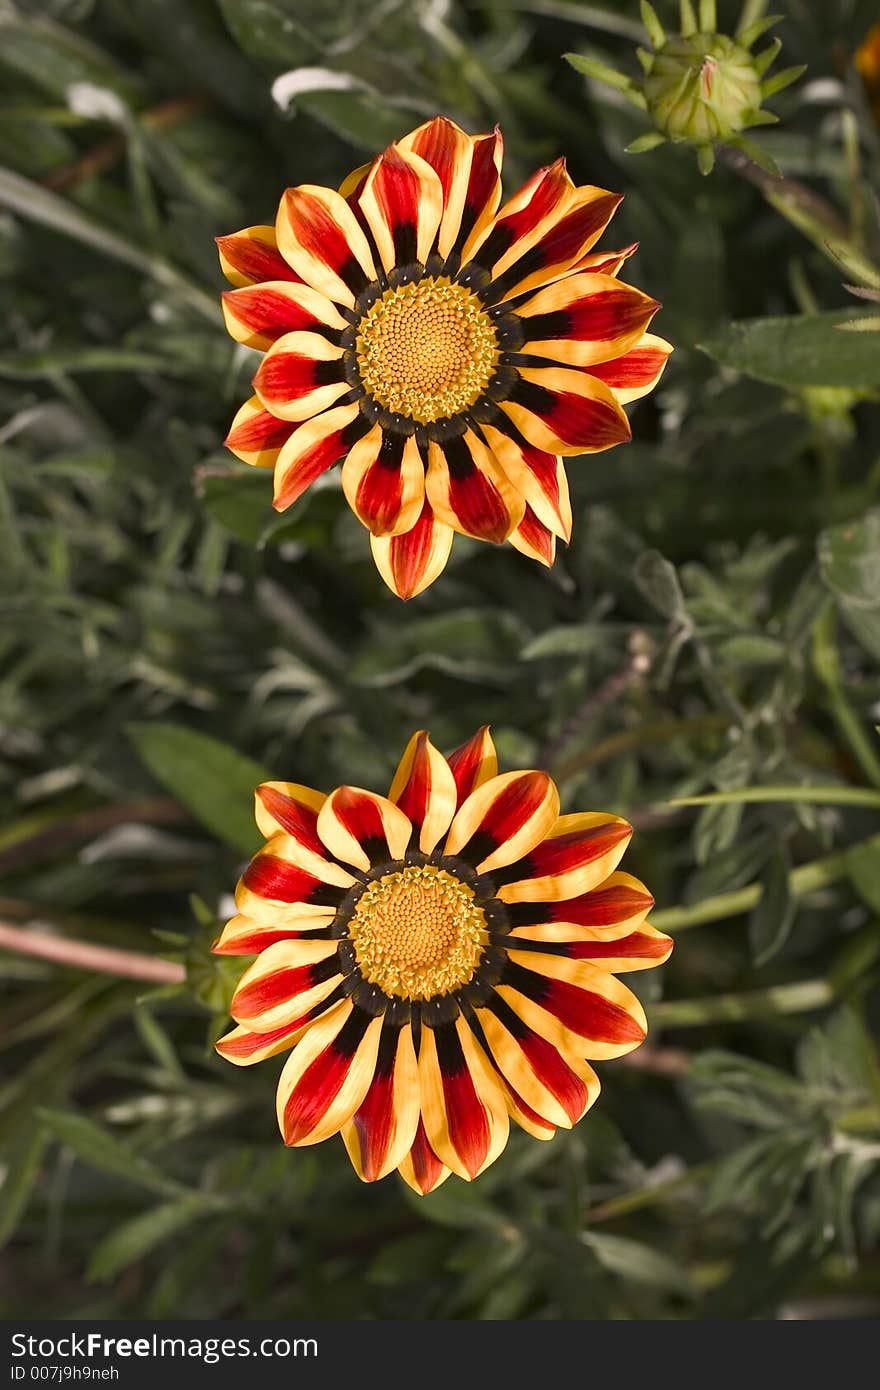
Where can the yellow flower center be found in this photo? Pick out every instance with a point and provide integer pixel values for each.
(427, 350)
(418, 932)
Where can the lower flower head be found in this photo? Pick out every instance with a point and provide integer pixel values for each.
(437, 962)
(449, 351)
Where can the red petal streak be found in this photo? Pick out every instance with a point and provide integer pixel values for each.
(587, 1013)
(256, 998)
(254, 259)
(469, 763)
(565, 852)
(553, 1072)
(410, 553)
(316, 1089)
(603, 907)
(271, 877)
(466, 1118)
(259, 434)
(536, 536)
(637, 944)
(315, 229)
(635, 368)
(609, 314)
(427, 1167)
(374, 1122)
(249, 1043)
(293, 816)
(268, 313)
(515, 805)
(413, 800)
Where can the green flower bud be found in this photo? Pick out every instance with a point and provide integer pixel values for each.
(702, 88)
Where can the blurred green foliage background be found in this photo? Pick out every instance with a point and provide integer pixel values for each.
(714, 628)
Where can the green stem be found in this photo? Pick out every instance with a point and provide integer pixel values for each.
(807, 878)
(826, 664)
(827, 795)
(801, 996)
(656, 731)
(647, 1196)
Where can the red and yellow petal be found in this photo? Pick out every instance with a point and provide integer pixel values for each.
(559, 245)
(522, 219)
(314, 447)
(538, 477)
(382, 1130)
(409, 563)
(301, 375)
(284, 982)
(533, 538)
(402, 201)
(473, 763)
(424, 789)
(579, 853)
(469, 491)
(641, 949)
(327, 1075)
(582, 1009)
(383, 479)
(469, 170)
(558, 1089)
(290, 807)
(245, 1048)
(247, 936)
(564, 411)
(318, 234)
(252, 255)
(258, 315)
(422, 1170)
(280, 885)
(636, 372)
(616, 907)
(362, 829)
(463, 1107)
(504, 819)
(257, 436)
(584, 319)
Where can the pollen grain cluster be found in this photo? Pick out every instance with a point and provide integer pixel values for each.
(418, 932)
(427, 350)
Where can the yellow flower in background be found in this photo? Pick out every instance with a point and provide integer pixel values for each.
(867, 61)
(440, 961)
(450, 353)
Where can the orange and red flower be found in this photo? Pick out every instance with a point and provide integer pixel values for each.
(440, 961)
(450, 353)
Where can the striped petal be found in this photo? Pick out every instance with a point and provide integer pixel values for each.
(319, 236)
(402, 201)
(616, 907)
(289, 807)
(462, 1104)
(409, 563)
(381, 1133)
(383, 479)
(257, 436)
(469, 170)
(421, 1168)
(327, 1075)
(579, 1007)
(301, 375)
(559, 1090)
(252, 255)
(565, 412)
(533, 538)
(245, 1048)
(504, 819)
(579, 853)
(312, 449)
(247, 936)
(584, 319)
(521, 221)
(363, 829)
(636, 950)
(539, 477)
(424, 789)
(473, 763)
(284, 982)
(561, 244)
(469, 491)
(258, 315)
(635, 373)
(275, 889)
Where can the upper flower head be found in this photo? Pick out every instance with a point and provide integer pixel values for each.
(439, 960)
(448, 351)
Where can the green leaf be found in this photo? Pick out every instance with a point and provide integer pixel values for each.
(658, 581)
(863, 864)
(800, 351)
(20, 1172)
(142, 1234)
(631, 1259)
(473, 644)
(771, 920)
(101, 1149)
(240, 501)
(206, 776)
